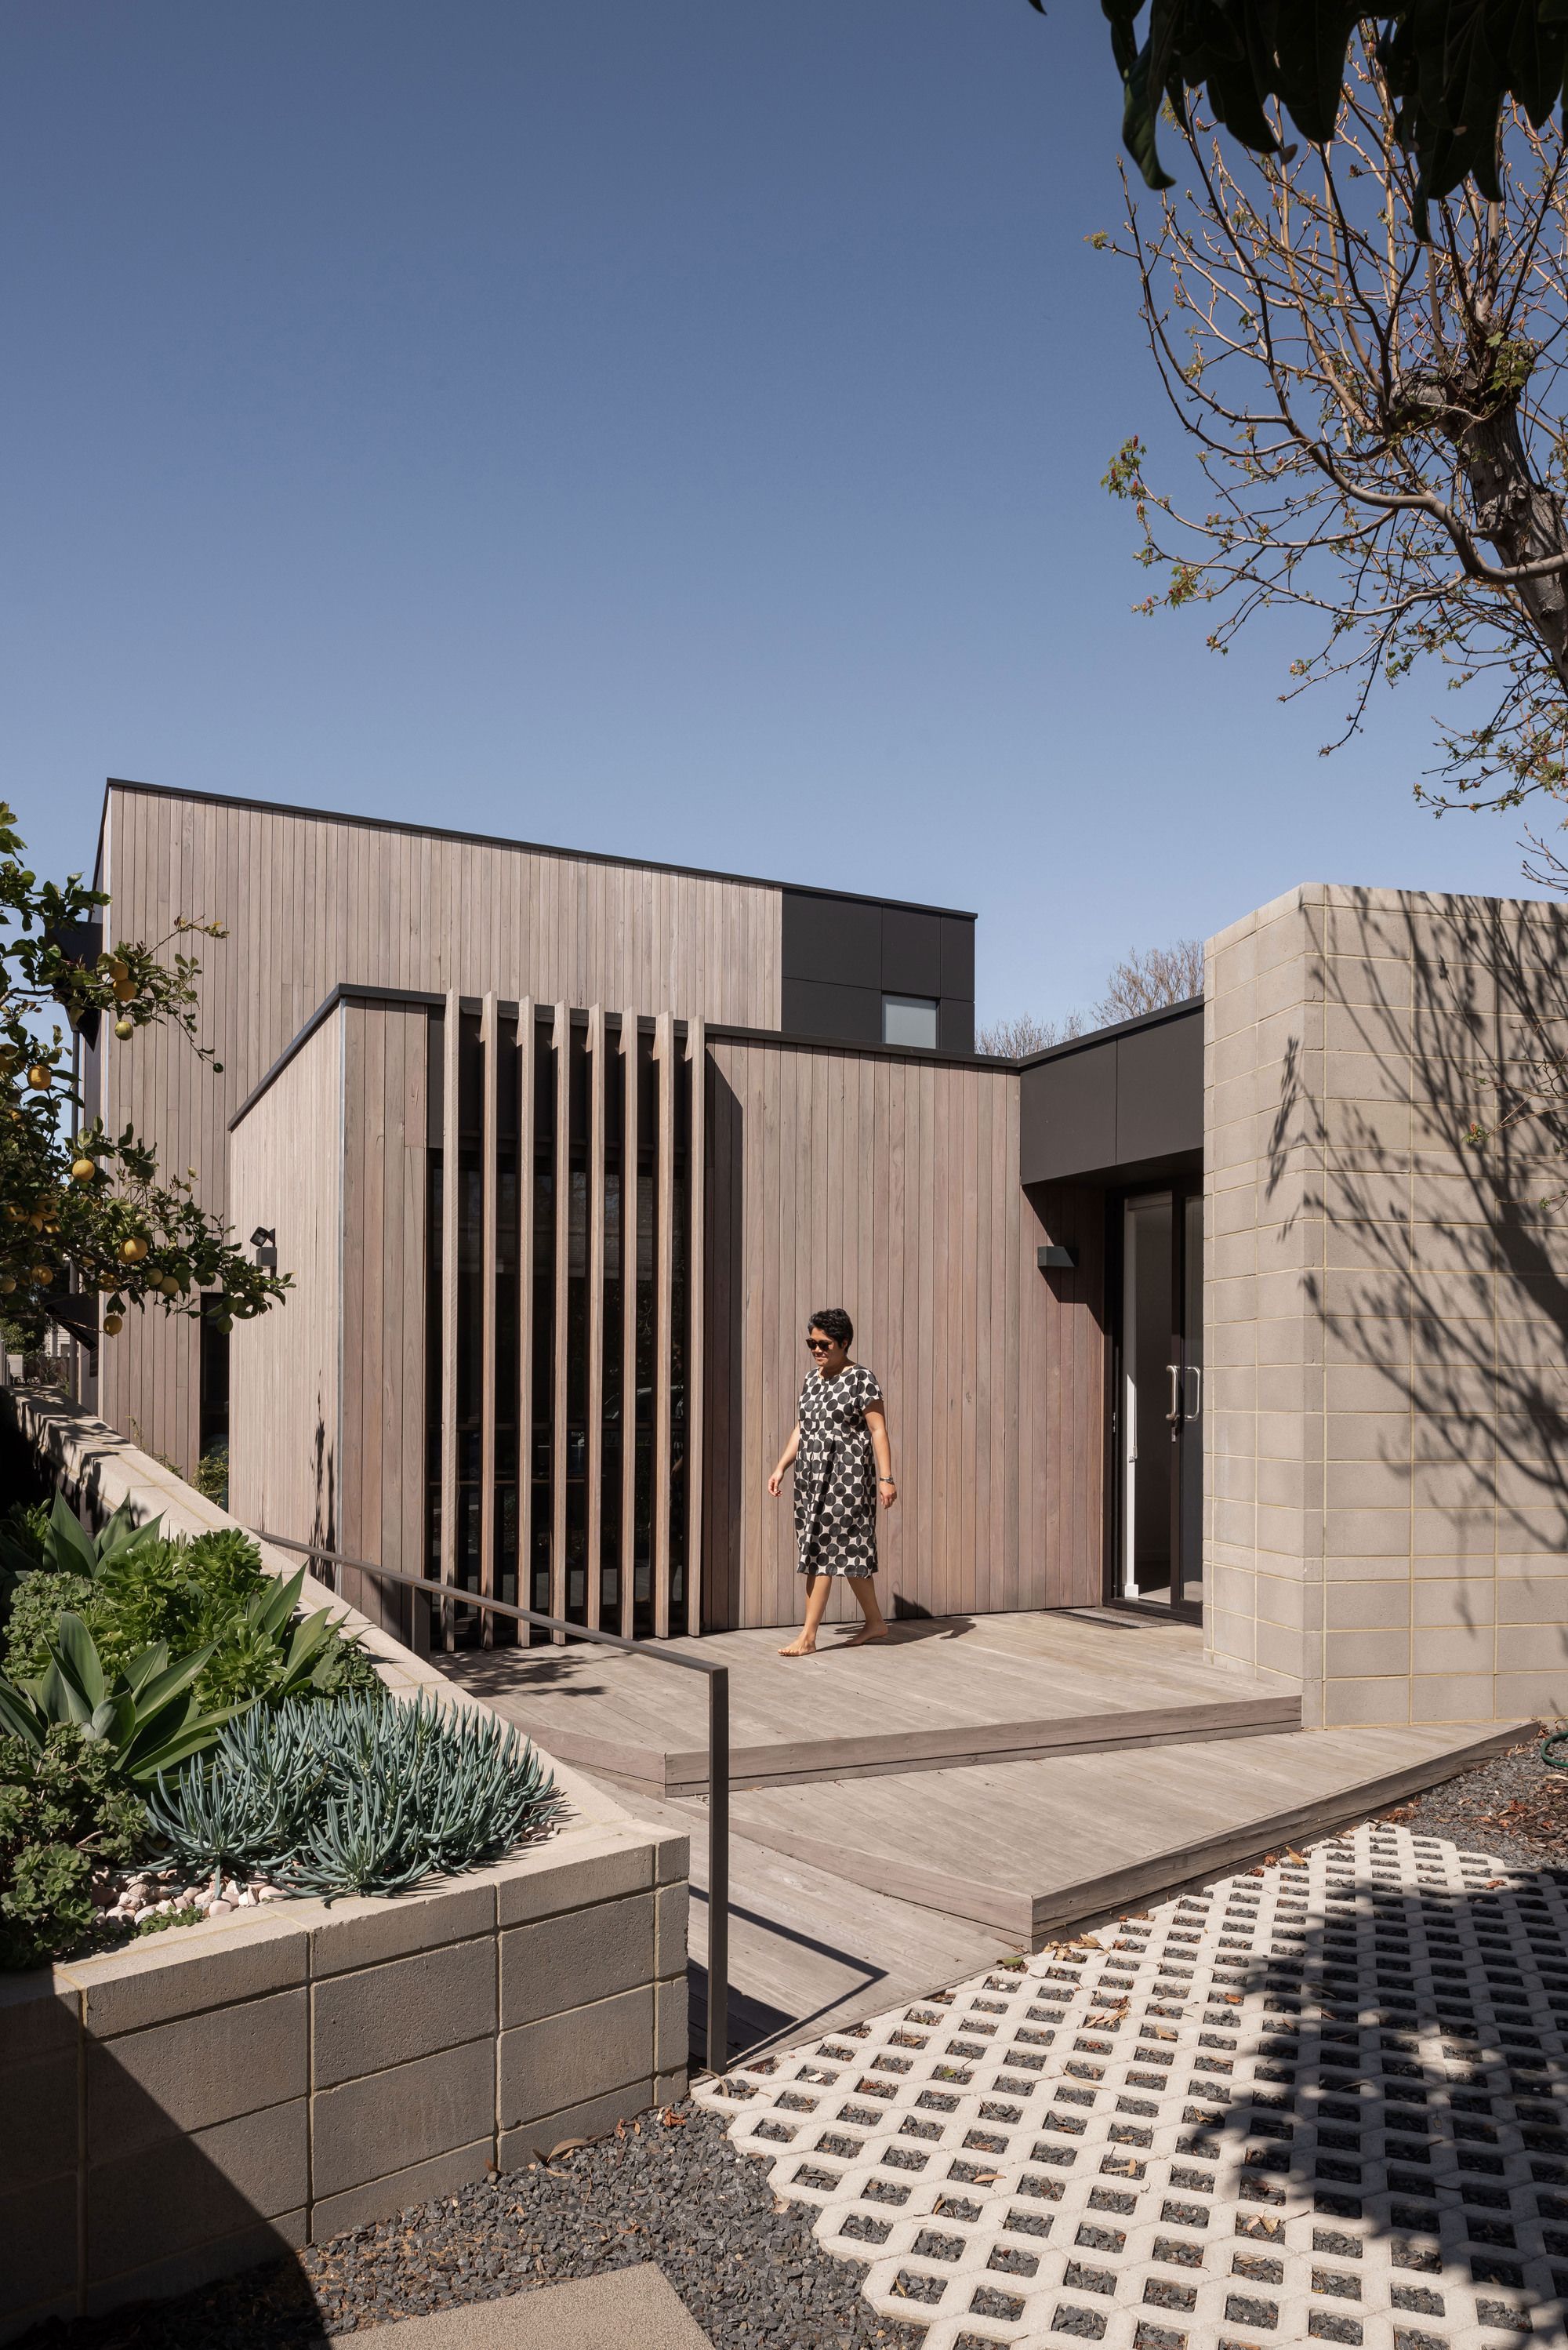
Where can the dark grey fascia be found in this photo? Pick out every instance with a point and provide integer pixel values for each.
(1123, 1105)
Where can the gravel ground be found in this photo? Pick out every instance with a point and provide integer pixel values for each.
(671, 2189)
(674, 2190)
(1513, 1806)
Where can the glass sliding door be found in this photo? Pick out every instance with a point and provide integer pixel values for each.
(1159, 1532)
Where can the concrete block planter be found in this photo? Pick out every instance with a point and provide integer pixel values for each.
(208, 2097)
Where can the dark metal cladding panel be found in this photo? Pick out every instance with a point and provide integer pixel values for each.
(955, 1025)
(911, 953)
(1159, 1089)
(830, 940)
(1067, 1115)
(818, 1008)
(957, 958)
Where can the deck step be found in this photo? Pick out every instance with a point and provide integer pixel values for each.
(977, 1693)
(1030, 1848)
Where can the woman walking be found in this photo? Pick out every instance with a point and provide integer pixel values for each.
(843, 1468)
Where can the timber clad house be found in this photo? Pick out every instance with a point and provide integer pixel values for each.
(1216, 1312)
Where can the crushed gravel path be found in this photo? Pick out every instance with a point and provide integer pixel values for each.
(1514, 1806)
(674, 2192)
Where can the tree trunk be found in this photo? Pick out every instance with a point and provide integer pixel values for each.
(1523, 522)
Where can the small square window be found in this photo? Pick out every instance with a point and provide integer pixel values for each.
(909, 1020)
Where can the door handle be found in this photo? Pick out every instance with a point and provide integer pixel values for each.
(1174, 1414)
(1195, 1373)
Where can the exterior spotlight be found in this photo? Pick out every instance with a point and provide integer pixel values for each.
(263, 1239)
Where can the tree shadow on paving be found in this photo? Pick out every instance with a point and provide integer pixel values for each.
(1404, 2079)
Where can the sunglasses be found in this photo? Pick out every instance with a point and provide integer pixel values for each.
(820, 1345)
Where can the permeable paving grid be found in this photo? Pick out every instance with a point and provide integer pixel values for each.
(1322, 2100)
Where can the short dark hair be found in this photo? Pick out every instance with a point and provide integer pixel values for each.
(835, 1324)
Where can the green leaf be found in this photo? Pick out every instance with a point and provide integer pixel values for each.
(68, 1544)
(75, 1651)
(21, 1717)
(145, 1664)
(58, 1696)
(172, 1682)
(274, 1607)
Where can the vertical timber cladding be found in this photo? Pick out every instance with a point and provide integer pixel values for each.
(564, 1306)
(329, 1387)
(311, 901)
(888, 1184)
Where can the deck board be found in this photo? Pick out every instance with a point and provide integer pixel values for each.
(1029, 1848)
(940, 1692)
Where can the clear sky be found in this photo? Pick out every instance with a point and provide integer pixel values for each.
(669, 429)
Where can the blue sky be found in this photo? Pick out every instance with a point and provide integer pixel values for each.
(674, 429)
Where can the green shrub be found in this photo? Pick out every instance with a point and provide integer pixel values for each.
(211, 1477)
(35, 1612)
(209, 1593)
(63, 1812)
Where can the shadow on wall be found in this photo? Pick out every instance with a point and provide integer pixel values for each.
(118, 2193)
(1434, 1149)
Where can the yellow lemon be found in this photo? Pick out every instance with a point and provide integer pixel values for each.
(83, 1169)
(114, 1324)
(40, 1077)
(134, 1250)
(125, 1027)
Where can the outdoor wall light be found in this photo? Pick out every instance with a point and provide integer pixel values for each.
(263, 1239)
(1053, 1258)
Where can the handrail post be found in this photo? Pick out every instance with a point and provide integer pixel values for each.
(439, 1597)
(719, 1870)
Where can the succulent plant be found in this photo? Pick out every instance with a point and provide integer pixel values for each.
(356, 1795)
(145, 1712)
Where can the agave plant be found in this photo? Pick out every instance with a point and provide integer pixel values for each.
(146, 1712)
(356, 1795)
(64, 1546)
(308, 1658)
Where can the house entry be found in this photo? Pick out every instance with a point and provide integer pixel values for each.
(1159, 1401)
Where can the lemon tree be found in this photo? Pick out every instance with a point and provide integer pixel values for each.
(82, 1209)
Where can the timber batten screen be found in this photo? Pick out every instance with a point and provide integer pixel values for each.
(559, 1314)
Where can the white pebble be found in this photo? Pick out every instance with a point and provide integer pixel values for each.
(140, 1916)
(220, 1908)
(268, 1893)
(163, 1909)
(247, 1900)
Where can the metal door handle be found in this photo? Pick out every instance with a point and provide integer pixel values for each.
(1174, 1414)
(1195, 1373)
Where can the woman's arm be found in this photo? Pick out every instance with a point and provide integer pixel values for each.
(785, 1457)
(877, 1424)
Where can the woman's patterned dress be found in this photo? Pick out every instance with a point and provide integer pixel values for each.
(835, 1475)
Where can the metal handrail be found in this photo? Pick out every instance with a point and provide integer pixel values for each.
(718, 1751)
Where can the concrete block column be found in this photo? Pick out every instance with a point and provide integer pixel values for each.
(1386, 1306)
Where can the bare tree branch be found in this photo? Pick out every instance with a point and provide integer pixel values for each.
(1379, 417)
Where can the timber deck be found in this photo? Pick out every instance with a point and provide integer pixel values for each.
(940, 1693)
(907, 1812)
(1033, 1847)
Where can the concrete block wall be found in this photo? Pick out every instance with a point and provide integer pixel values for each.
(213, 2096)
(1386, 1306)
(210, 2098)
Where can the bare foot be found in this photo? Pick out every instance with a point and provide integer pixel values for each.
(868, 1632)
(799, 1648)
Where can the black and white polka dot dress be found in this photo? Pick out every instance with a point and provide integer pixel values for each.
(835, 1475)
